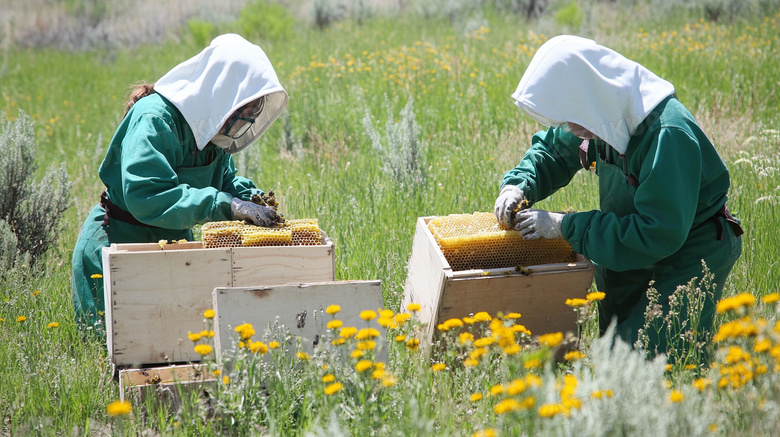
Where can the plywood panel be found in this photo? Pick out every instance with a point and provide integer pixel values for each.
(282, 264)
(539, 298)
(156, 297)
(300, 308)
(426, 274)
(538, 292)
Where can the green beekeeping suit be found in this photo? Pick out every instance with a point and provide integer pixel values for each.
(167, 167)
(662, 185)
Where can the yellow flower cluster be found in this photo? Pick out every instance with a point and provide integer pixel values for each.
(568, 389)
(736, 303)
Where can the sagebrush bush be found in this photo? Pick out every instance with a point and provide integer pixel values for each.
(33, 210)
(400, 148)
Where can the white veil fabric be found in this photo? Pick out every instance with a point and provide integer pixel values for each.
(574, 79)
(222, 78)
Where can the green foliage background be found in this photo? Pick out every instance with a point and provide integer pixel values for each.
(320, 161)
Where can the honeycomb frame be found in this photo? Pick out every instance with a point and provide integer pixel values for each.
(477, 242)
(233, 233)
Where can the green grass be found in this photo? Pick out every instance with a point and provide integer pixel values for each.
(56, 380)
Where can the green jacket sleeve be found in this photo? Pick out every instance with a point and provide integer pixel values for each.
(669, 168)
(150, 151)
(549, 164)
(237, 186)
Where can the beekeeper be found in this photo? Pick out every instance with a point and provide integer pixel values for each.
(662, 185)
(169, 165)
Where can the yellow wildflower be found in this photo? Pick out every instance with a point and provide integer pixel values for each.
(119, 408)
(702, 383)
(389, 381)
(96, 276)
(490, 432)
(412, 344)
(368, 315)
(551, 410)
(36, 293)
(476, 397)
(366, 345)
(465, 337)
(512, 316)
(484, 341)
(551, 340)
(367, 333)
(328, 378)
(506, 406)
(532, 363)
(400, 338)
(334, 324)
(209, 314)
(273, 345)
(414, 307)
(332, 309)
(402, 318)
(771, 298)
(438, 367)
(573, 356)
(482, 317)
(736, 302)
(676, 396)
(386, 322)
(333, 388)
(363, 365)
(348, 332)
(302, 356)
(21, 319)
(193, 336)
(470, 362)
(53, 325)
(246, 331)
(596, 295)
(203, 349)
(357, 353)
(258, 346)
(576, 302)
(225, 380)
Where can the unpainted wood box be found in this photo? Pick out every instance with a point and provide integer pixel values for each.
(300, 308)
(166, 384)
(538, 293)
(154, 295)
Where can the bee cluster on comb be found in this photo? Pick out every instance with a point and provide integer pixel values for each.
(476, 241)
(297, 232)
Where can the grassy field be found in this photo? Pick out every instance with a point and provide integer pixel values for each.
(456, 77)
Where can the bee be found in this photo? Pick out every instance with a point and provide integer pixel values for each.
(301, 317)
(155, 380)
(523, 271)
(522, 205)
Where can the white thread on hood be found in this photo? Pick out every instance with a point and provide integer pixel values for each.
(573, 79)
(222, 78)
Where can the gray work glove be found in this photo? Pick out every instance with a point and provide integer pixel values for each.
(537, 223)
(506, 203)
(256, 214)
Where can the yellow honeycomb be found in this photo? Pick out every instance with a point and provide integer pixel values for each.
(476, 241)
(298, 232)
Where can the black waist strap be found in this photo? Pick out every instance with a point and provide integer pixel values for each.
(115, 212)
(724, 212)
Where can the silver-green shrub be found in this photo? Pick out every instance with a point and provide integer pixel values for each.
(400, 148)
(32, 209)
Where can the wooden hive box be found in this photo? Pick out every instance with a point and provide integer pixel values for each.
(538, 293)
(299, 308)
(154, 295)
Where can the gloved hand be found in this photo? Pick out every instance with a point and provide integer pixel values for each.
(537, 223)
(256, 214)
(506, 203)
